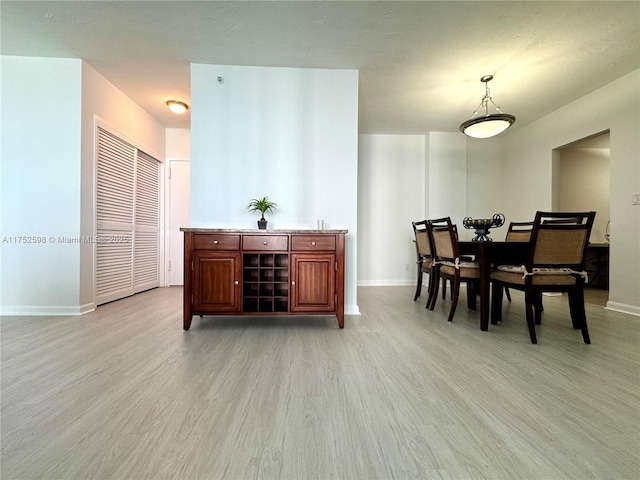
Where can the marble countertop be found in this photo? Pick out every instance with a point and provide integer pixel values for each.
(260, 232)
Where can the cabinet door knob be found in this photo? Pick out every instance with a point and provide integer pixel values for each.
(236, 282)
(264, 243)
(215, 242)
(313, 243)
(293, 283)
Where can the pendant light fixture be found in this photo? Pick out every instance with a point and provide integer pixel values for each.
(487, 125)
(177, 107)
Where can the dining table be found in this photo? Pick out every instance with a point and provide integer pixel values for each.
(488, 254)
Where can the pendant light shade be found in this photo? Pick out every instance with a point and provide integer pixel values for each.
(487, 125)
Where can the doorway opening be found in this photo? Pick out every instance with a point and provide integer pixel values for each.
(581, 183)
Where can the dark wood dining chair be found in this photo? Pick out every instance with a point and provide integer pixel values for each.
(424, 257)
(555, 264)
(521, 232)
(449, 265)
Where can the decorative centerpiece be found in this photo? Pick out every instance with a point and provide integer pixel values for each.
(262, 205)
(482, 226)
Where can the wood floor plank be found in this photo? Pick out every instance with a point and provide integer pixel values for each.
(125, 393)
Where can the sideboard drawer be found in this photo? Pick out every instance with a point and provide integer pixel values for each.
(265, 242)
(215, 241)
(313, 242)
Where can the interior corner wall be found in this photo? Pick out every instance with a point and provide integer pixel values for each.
(290, 134)
(527, 164)
(485, 181)
(103, 102)
(391, 194)
(40, 150)
(178, 144)
(447, 173)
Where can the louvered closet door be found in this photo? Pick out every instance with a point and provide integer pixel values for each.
(127, 204)
(146, 268)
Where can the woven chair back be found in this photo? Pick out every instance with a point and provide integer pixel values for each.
(560, 239)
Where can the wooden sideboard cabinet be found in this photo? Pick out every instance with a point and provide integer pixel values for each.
(263, 272)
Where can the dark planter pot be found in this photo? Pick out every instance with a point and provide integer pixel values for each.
(262, 224)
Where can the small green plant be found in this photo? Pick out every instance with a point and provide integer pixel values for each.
(262, 205)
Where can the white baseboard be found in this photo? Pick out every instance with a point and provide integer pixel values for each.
(623, 308)
(87, 307)
(351, 310)
(386, 283)
(46, 310)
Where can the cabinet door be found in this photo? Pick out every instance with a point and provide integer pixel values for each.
(216, 282)
(313, 282)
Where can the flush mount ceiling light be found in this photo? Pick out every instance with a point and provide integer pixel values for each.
(487, 125)
(177, 107)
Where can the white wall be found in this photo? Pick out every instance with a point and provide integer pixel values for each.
(48, 178)
(583, 185)
(103, 103)
(485, 182)
(289, 134)
(404, 178)
(40, 150)
(178, 144)
(447, 176)
(526, 172)
(391, 194)
(178, 152)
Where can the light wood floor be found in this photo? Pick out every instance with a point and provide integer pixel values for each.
(125, 393)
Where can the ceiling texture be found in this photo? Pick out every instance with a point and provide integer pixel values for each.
(419, 63)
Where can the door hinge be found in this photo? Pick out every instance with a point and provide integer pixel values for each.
(336, 266)
(168, 172)
(168, 265)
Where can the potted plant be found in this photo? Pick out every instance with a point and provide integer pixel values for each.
(262, 205)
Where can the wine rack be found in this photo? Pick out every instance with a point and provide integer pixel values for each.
(265, 282)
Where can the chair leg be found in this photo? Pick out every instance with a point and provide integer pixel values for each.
(537, 307)
(454, 300)
(578, 314)
(471, 295)
(583, 327)
(430, 288)
(574, 311)
(418, 283)
(507, 293)
(496, 303)
(434, 295)
(529, 301)
(444, 288)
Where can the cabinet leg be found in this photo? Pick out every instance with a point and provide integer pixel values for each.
(340, 320)
(186, 322)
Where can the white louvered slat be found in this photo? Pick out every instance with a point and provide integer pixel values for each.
(115, 179)
(147, 190)
(127, 199)
(114, 268)
(146, 259)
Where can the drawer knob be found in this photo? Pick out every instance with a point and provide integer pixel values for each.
(215, 242)
(264, 243)
(236, 282)
(313, 243)
(293, 283)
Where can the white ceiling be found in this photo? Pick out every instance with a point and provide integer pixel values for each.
(419, 62)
